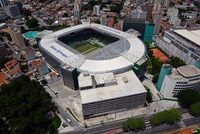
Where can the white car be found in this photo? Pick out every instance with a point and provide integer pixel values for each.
(68, 120)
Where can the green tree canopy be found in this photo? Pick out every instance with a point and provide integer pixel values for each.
(3, 60)
(167, 116)
(116, 8)
(25, 12)
(25, 106)
(32, 23)
(149, 95)
(188, 97)
(133, 124)
(176, 62)
(195, 109)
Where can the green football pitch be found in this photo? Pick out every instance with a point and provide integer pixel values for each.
(87, 47)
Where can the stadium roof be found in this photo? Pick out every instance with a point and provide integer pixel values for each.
(122, 89)
(117, 56)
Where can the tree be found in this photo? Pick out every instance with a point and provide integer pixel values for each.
(167, 116)
(188, 97)
(23, 67)
(198, 21)
(195, 109)
(32, 23)
(133, 124)
(25, 12)
(149, 95)
(3, 61)
(176, 62)
(25, 105)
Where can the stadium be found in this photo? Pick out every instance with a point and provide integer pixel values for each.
(101, 63)
(86, 45)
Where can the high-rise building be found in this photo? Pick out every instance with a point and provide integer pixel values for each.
(157, 22)
(80, 3)
(145, 29)
(17, 37)
(157, 6)
(148, 7)
(77, 12)
(96, 10)
(166, 3)
(139, 2)
(2, 3)
(13, 11)
(3, 50)
(103, 19)
(139, 14)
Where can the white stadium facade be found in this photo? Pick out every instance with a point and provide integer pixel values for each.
(106, 74)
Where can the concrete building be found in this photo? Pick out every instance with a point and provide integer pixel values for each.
(157, 22)
(172, 13)
(103, 20)
(145, 29)
(175, 80)
(17, 37)
(165, 3)
(2, 3)
(157, 6)
(13, 11)
(39, 65)
(147, 7)
(139, 14)
(3, 50)
(107, 93)
(77, 12)
(80, 3)
(96, 10)
(181, 43)
(139, 2)
(29, 54)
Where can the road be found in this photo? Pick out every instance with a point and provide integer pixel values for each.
(41, 22)
(62, 110)
(100, 129)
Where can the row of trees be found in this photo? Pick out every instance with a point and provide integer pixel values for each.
(167, 116)
(25, 108)
(133, 124)
(190, 99)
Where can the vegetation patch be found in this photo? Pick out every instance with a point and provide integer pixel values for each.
(24, 108)
(133, 124)
(167, 116)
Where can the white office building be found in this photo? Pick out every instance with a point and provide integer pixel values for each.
(181, 43)
(96, 10)
(103, 19)
(2, 3)
(184, 77)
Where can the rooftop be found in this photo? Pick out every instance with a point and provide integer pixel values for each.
(188, 71)
(127, 84)
(193, 36)
(2, 79)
